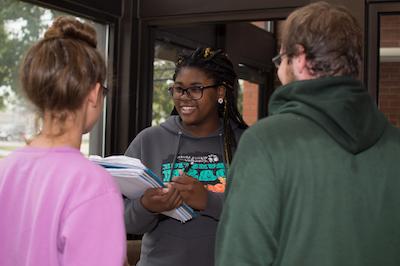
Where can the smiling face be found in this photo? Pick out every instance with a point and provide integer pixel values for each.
(204, 111)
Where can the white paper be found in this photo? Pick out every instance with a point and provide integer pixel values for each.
(131, 176)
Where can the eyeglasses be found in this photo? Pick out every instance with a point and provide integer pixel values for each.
(277, 60)
(193, 92)
(105, 90)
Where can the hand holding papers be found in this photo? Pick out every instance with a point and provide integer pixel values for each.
(133, 178)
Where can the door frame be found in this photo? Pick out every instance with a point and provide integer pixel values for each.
(371, 69)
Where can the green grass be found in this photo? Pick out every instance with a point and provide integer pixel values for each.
(8, 148)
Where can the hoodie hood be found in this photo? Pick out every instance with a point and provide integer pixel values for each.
(340, 105)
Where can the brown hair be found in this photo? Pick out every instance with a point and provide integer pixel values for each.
(59, 71)
(331, 38)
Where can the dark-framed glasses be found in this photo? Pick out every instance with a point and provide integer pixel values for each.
(193, 92)
(105, 90)
(277, 60)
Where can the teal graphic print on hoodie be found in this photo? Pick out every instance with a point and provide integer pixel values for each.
(316, 183)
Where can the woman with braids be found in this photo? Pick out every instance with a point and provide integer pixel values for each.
(202, 132)
(56, 207)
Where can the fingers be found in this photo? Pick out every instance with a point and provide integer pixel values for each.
(184, 183)
(176, 199)
(183, 187)
(160, 199)
(183, 179)
(172, 193)
(178, 202)
(171, 198)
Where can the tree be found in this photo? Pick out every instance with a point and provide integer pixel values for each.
(30, 23)
(162, 101)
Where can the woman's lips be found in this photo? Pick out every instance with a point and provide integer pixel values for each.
(187, 109)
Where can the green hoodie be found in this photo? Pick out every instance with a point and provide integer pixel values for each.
(316, 183)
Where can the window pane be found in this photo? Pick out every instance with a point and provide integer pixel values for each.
(264, 25)
(22, 24)
(248, 99)
(165, 55)
(162, 102)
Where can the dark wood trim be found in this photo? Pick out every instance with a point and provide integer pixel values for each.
(144, 93)
(188, 36)
(380, 1)
(372, 66)
(99, 13)
(267, 93)
(172, 8)
(112, 84)
(120, 105)
(132, 100)
(218, 17)
(262, 101)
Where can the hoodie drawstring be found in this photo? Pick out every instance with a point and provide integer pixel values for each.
(176, 153)
(221, 142)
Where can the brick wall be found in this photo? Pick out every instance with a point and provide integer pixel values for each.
(389, 91)
(390, 31)
(250, 102)
(389, 76)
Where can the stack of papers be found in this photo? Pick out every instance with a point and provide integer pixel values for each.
(133, 178)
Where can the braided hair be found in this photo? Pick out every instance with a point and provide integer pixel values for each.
(217, 66)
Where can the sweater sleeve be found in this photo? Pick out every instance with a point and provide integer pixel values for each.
(138, 220)
(247, 232)
(93, 232)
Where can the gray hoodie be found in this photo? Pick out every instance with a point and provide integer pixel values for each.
(165, 149)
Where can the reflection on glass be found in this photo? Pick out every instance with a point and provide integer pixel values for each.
(162, 102)
(165, 56)
(389, 74)
(264, 25)
(248, 99)
(22, 24)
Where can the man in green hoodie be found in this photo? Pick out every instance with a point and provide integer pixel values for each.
(317, 183)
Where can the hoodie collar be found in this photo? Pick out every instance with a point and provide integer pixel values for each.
(173, 124)
(340, 105)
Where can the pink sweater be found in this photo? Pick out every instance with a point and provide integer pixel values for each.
(57, 208)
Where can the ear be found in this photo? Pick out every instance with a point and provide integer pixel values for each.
(300, 64)
(95, 95)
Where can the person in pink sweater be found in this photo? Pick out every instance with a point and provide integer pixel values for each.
(56, 207)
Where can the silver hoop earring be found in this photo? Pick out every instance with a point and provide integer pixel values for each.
(220, 100)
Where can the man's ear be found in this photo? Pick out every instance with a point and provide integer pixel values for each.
(300, 64)
(94, 95)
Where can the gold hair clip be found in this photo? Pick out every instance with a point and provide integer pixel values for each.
(207, 52)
